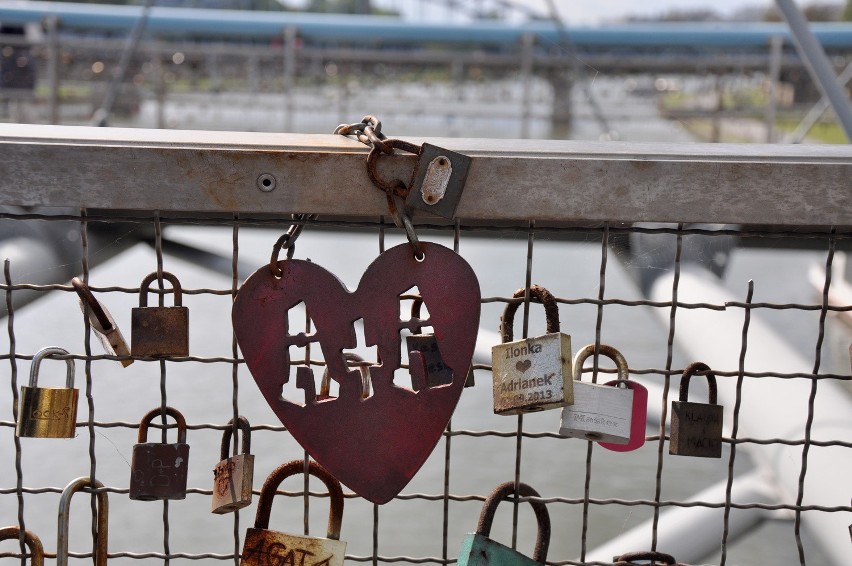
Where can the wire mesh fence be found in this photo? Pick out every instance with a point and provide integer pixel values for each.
(593, 495)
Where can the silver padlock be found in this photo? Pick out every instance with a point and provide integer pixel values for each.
(602, 413)
(533, 374)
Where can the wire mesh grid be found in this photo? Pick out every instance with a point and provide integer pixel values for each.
(478, 450)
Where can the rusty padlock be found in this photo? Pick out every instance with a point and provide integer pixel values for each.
(158, 470)
(696, 427)
(603, 413)
(644, 558)
(479, 550)
(32, 542)
(159, 331)
(438, 180)
(264, 547)
(351, 360)
(233, 476)
(102, 322)
(535, 373)
(102, 534)
(48, 412)
(426, 366)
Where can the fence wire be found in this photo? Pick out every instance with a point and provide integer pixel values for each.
(18, 493)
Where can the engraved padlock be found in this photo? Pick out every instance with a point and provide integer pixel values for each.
(48, 412)
(438, 180)
(426, 365)
(102, 322)
(102, 533)
(264, 547)
(158, 470)
(479, 550)
(233, 476)
(159, 331)
(696, 427)
(535, 373)
(33, 543)
(601, 413)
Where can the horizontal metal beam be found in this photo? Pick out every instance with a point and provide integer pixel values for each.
(509, 180)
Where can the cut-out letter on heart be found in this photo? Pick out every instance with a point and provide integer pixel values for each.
(375, 445)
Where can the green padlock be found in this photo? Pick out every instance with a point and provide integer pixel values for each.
(478, 550)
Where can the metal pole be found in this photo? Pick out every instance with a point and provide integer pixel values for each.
(52, 25)
(817, 64)
(816, 112)
(776, 46)
(527, 41)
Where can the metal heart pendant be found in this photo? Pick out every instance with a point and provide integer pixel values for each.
(373, 444)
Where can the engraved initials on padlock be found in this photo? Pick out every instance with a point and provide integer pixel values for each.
(159, 470)
(33, 543)
(264, 547)
(696, 427)
(233, 476)
(532, 374)
(48, 412)
(159, 331)
(438, 180)
(479, 550)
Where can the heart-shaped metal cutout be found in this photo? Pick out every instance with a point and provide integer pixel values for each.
(374, 445)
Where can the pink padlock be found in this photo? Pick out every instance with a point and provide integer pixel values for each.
(638, 419)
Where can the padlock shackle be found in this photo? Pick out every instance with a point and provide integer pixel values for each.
(691, 370)
(416, 305)
(628, 558)
(503, 492)
(603, 350)
(284, 471)
(32, 542)
(245, 427)
(145, 286)
(142, 438)
(47, 352)
(325, 383)
(90, 301)
(538, 294)
(103, 521)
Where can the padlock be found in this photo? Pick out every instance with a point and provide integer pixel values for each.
(102, 534)
(158, 470)
(264, 547)
(159, 331)
(535, 373)
(438, 180)
(325, 383)
(48, 412)
(696, 427)
(644, 558)
(233, 476)
(32, 542)
(479, 550)
(102, 322)
(602, 413)
(426, 365)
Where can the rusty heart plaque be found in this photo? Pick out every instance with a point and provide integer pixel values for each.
(374, 444)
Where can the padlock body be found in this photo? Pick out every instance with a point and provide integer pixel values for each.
(436, 371)
(532, 374)
(47, 412)
(438, 181)
(479, 550)
(159, 331)
(232, 483)
(600, 412)
(159, 471)
(696, 430)
(263, 547)
(111, 339)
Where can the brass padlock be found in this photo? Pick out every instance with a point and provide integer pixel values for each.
(48, 412)
(264, 547)
(102, 322)
(535, 373)
(696, 427)
(233, 476)
(438, 180)
(159, 331)
(102, 534)
(158, 470)
(600, 412)
(32, 542)
(426, 366)
(479, 550)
